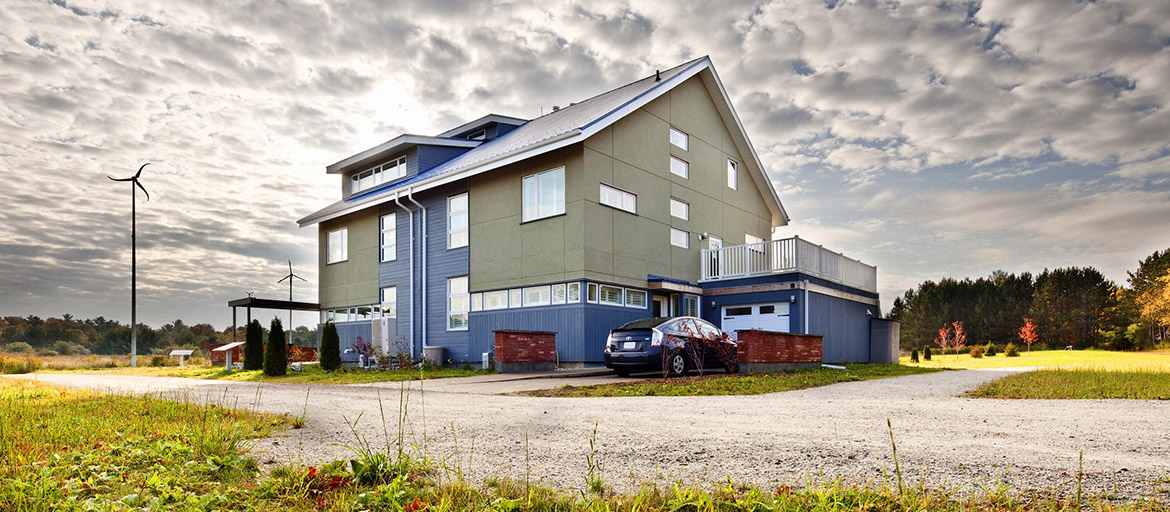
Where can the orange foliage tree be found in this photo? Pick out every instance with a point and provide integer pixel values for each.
(1028, 333)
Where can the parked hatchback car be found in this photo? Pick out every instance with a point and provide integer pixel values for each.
(688, 343)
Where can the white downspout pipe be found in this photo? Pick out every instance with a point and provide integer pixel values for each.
(412, 309)
(806, 305)
(423, 271)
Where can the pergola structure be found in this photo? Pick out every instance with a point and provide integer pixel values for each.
(258, 303)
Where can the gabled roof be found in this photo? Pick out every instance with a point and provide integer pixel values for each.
(571, 125)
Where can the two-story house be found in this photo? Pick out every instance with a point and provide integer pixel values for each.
(647, 200)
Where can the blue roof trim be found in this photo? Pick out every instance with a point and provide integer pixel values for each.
(651, 278)
(635, 98)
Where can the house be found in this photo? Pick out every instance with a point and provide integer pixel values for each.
(647, 200)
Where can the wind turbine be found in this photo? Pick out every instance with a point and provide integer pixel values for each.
(290, 277)
(134, 259)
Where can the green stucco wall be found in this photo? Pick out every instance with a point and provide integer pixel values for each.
(354, 281)
(594, 241)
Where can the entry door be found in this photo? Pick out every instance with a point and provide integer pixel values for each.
(661, 306)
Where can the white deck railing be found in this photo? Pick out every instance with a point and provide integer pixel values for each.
(787, 255)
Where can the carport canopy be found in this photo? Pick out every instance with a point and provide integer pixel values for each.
(258, 303)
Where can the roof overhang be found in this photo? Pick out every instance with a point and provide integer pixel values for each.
(490, 118)
(399, 143)
(700, 66)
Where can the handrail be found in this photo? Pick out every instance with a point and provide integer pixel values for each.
(786, 255)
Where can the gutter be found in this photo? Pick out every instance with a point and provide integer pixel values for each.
(412, 310)
(423, 269)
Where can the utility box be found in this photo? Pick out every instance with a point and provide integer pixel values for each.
(885, 336)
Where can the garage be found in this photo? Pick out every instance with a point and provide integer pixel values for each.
(767, 317)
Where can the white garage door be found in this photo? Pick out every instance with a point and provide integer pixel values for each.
(766, 317)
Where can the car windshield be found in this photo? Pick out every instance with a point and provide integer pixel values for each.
(645, 323)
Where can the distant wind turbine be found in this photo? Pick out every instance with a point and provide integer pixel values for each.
(134, 259)
(290, 277)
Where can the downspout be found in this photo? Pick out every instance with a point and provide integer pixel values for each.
(423, 271)
(412, 310)
(806, 306)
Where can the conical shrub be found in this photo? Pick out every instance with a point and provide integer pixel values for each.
(330, 353)
(276, 354)
(254, 346)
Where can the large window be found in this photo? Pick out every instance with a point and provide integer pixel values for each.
(612, 295)
(679, 167)
(544, 194)
(390, 302)
(457, 221)
(458, 303)
(732, 174)
(389, 237)
(678, 137)
(680, 209)
(691, 305)
(337, 246)
(619, 199)
(679, 238)
(636, 298)
(537, 296)
(384, 173)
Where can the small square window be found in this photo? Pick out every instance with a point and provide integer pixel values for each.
(337, 246)
(592, 293)
(678, 137)
(536, 296)
(680, 238)
(495, 300)
(514, 298)
(635, 298)
(679, 167)
(573, 293)
(558, 294)
(680, 209)
(611, 295)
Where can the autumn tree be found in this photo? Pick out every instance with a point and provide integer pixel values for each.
(1145, 286)
(944, 338)
(1028, 333)
(1155, 302)
(959, 338)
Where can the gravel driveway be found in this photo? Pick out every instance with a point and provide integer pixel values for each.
(836, 431)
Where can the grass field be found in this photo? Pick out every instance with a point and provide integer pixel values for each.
(724, 384)
(1079, 383)
(1092, 359)
(66, 449)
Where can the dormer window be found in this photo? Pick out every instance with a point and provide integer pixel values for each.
(384, 173)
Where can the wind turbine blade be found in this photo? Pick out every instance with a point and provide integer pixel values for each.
(301, 278)
(141, 187)
(119, 179)
(140, 169)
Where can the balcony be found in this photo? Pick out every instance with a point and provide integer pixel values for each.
(786, 256)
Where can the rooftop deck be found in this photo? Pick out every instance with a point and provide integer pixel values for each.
(786, 256)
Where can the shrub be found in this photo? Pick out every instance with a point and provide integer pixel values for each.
(276, 354)
(990, 350)
(977, 352)
(47, 352)
(914, 356)
(27, 364)
(159, 360)
(330, 355)
(254, 346)
(926, 353)
(19, 347)
(1011, 350)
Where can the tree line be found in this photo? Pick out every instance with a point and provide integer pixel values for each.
(70, 336)
(1072, 306)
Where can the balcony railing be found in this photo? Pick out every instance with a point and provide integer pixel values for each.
(783, 256)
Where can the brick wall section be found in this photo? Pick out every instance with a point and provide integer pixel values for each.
(525, 346)
(778, 347)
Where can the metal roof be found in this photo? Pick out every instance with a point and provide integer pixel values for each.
(560, 128)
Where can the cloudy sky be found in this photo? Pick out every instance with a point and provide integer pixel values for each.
(929, 138)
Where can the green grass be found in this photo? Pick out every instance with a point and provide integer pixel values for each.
(1079, 383)
(1097, 359)
(312, 374)
(735, 384)
(65, 449)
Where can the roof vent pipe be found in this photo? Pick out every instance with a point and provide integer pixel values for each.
(657, 75)
(556, 108)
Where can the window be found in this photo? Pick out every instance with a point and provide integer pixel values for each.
(611, 295)
(365, 312)
(619, 199)
(389, 307)
(384, 173)
(514, 298)
(337, 243)
(544, 194)
(480, 135)
(457, 221)
(732, 175)
(573, 292)
(495, 300)
(458, 303)
(691, 305)
(678, 137)
(680, 209)
(679, 167)
(680, 238)
(476, 301)
(389, 237)
(738, 311)
(558, 294)
(592, 297)
(636, 299)
(536, 296)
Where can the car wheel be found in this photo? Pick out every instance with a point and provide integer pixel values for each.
(678, 364)
(622, 372)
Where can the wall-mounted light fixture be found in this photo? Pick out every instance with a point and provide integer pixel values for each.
(792, 299)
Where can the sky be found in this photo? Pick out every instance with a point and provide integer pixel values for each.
(932, 139)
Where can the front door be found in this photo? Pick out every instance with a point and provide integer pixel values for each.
(661, 306)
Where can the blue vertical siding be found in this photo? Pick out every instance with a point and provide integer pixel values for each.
(429, 157)
(397, 273)
(845, 326)
(348, 333)
(442, 263)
